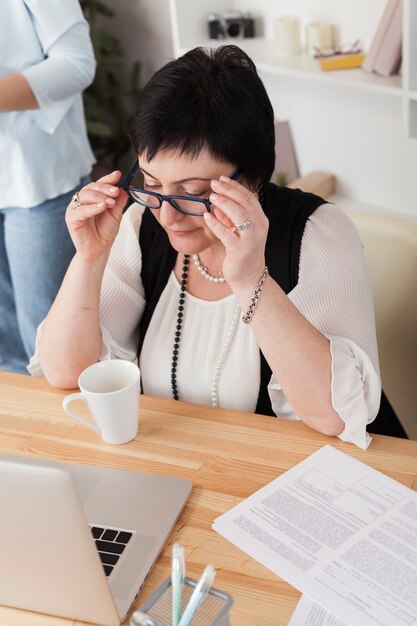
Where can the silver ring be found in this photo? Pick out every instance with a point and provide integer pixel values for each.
(76, 199)
(244, 226)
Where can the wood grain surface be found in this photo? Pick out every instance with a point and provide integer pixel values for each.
(227, 454)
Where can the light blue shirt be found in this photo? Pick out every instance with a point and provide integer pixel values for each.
(45, 152)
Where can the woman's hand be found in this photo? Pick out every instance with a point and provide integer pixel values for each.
(93, 224)
(233, 204)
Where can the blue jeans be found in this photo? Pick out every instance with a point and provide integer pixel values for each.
(35, 250)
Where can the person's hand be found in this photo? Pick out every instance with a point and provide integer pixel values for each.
(93, 224)
(233, 204)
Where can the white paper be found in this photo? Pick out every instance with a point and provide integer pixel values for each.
(340, 532)
(310, 613)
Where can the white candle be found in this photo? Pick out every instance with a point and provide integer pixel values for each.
(287, 35)
(319, 34)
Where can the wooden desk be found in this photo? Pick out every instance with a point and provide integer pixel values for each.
(228, 455)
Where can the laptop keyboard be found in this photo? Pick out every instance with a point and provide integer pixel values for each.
(110, 544)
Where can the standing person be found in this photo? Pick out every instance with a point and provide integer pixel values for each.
(46, 61)
(231, 291)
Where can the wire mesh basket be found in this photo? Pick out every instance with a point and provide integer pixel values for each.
(213, 611)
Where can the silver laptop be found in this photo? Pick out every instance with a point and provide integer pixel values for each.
(79, 541)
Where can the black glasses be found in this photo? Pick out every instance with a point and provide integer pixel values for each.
(152, 200)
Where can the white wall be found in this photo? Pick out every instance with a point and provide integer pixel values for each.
(356, 135)
(144, 27)
(352, 19)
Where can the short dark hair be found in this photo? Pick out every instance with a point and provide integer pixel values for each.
(209, 97)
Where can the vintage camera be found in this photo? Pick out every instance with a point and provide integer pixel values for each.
(234, 24)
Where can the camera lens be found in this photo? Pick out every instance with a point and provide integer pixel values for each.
(233, 29)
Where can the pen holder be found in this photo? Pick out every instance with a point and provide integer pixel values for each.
(214, 610)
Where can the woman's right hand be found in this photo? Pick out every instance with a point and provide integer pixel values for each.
(93, 224)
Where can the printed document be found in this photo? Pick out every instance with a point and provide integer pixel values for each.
(310, 613)
(340, 532)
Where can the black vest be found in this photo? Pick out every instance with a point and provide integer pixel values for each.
(287, 210)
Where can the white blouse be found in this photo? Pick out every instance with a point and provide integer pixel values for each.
(333, 293)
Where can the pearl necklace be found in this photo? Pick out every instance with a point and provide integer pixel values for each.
(177, 336)
(204, 271)
(223, 356)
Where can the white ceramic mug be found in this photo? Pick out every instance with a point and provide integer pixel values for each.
(111, 391)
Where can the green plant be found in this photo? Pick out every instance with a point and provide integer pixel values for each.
(281, 179)
(110, 100)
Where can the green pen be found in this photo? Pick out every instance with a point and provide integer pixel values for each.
(200, 591)
(177, 581)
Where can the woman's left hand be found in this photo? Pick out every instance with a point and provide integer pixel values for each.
(234, 204)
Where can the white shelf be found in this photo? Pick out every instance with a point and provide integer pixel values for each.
(306, 67)
(410, 116)
(410, 66)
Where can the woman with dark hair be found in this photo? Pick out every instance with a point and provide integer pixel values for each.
(230, 290)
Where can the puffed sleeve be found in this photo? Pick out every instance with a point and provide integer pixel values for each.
(122, 298)
(334, 294)
(67, 64)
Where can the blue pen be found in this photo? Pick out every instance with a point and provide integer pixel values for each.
(201, 589)
(177, 581)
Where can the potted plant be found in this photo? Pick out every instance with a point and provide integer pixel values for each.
(110, 100)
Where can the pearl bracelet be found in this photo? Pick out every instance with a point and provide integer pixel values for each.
(255, 298)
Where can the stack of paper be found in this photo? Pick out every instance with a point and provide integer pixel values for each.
(340, 532)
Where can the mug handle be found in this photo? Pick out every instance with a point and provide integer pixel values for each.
(77, 396)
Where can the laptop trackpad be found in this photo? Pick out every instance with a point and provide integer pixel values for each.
(141, 551)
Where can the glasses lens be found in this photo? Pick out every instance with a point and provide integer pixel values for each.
(138, 194)
(144, 198)
(190, 206)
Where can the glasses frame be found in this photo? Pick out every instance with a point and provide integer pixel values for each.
(171, 199)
